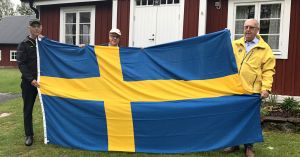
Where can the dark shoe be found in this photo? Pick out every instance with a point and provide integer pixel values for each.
(231, 149)
(249, 152)
(28, 140)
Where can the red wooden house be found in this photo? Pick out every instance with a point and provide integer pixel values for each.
(13, 30)
(150, 22)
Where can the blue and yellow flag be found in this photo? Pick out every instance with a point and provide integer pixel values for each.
(183, 96)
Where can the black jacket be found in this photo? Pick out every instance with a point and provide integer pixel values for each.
(27, 59)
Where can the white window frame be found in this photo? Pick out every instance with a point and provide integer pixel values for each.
(65, 10)
(0, 55)
(10, 55)
(282, 52)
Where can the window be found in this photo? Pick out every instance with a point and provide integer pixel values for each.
(0, 55)
(273, 17)
(13, 55)
(77, 25)
(155, 2)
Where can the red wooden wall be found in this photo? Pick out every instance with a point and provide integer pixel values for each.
(191, 18)
(50, 18)
(5, 55)
(216, 18)
(287, 78)
(123, 18)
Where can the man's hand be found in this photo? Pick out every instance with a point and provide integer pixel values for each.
(264, 94)
(35, 84)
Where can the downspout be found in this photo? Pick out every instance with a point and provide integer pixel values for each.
(37, 14)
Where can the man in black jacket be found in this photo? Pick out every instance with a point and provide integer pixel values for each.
(27, 62)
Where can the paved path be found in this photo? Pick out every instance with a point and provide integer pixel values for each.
(7, 96)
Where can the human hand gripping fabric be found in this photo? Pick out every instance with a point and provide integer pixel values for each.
(264, 94)
(35, 84)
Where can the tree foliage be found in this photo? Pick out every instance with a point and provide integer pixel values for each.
(6, 8)
(24, 9)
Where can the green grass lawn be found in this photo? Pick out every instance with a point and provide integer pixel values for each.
(10, 80)
(12, 140)
(12, 134)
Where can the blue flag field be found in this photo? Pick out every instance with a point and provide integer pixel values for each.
(178, 97)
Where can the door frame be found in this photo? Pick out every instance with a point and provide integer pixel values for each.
(132, 11)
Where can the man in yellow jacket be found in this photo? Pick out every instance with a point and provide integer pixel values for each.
(256, 66)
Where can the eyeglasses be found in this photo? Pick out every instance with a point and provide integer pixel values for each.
(114, 37)
(249, 27)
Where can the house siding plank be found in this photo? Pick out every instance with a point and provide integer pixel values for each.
(287, 77)
(216, 18)
(103, 21)
(5, 55)
(50, 16)
(123, 20)
(191, 18)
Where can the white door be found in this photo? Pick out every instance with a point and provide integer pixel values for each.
(144, 26)
(156, 22)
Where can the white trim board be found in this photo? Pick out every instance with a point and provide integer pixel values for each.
(284, 28)
(50, 2)
(280, 98)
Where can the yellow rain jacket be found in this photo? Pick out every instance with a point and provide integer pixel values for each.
(256, 69)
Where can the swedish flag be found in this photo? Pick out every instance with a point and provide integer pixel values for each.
(178, 97)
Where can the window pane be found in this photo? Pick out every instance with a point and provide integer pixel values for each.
(270, 11)
(239, 27)
(163, 2)
(85, 17)
(71, 39)
(138, 2)
(150, 2)
(269, 26)
(70, 28)
(156, 2)
(144, 2)
(272, 40)
(84, 39)
(13, 55)
(70, 17)
(84, 29)
(245, 12)
(170, 1)
(176, 1)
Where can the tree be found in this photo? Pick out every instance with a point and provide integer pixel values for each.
(6, 8)
(24, 9)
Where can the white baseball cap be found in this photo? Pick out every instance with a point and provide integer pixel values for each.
(115, 30)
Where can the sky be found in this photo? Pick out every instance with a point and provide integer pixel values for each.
(16, 2)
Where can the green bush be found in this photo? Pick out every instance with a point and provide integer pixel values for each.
(289, 104)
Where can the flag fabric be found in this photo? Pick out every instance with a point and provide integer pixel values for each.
(178, 97)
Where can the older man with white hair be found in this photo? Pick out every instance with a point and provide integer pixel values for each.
(256, 65)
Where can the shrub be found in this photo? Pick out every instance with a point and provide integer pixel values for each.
(289, 104)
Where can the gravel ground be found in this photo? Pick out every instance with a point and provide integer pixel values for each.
(7, 96)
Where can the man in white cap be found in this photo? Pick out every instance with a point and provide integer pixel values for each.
(114, 37)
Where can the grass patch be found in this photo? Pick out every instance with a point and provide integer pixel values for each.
(10, 80)
(12, 140)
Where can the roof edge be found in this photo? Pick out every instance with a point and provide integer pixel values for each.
(51, 2)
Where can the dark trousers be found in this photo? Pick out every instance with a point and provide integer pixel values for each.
(29, 94)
